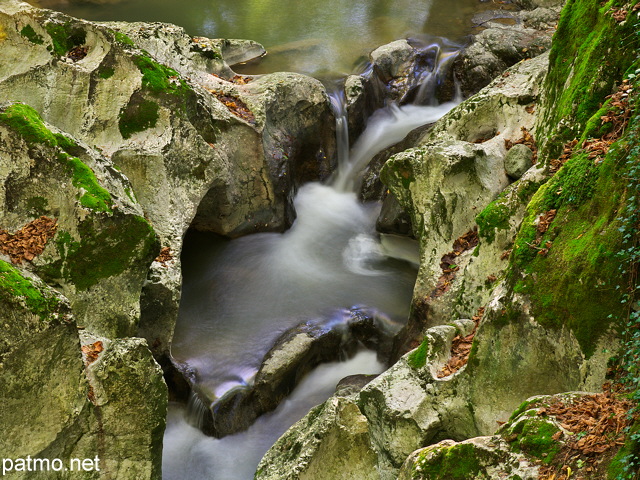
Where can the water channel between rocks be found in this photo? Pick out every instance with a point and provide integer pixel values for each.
(239, 296)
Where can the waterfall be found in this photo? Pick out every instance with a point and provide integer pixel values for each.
(389, 125)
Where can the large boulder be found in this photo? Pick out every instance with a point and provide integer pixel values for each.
(480, 457)
(102, 403)
(332, 441)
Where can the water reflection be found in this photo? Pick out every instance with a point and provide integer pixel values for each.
(315, 37)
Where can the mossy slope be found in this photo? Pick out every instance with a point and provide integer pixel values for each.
(569, 270)
(589, 54)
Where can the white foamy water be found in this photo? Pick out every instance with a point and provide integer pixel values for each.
(189, 454)
(386, 127)
(240, 297)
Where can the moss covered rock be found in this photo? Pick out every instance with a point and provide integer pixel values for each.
(110, 412)
(456, 180)
(198, 149)
(487, 458)
(103, 246)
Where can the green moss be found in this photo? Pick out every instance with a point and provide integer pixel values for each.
(589, 52)
(473, 361)
(458, 462)
(418, 358)
(138, 116)
(64, 37)
(523, 407)
(525, 190)
(94, 196)
(65, 143)
(15, 287)
(619, 467)
(27, 122)
(122, 38)
(106, 72)
(160, 79)
(130, 194)
(30, 34)
(594, 127)
(536, 439)
(103, 250)
(573, 184)
(495, 216)
(583, 238)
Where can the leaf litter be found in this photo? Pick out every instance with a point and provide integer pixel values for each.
(28, 242)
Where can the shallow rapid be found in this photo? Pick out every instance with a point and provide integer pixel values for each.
(189, 454)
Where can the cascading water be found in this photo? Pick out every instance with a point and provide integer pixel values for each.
(190, 454)
(239, 296)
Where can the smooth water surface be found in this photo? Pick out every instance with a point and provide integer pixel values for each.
(317, 37)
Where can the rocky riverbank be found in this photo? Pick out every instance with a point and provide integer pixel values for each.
(116, 138)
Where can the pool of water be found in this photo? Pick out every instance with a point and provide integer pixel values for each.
(316, 37)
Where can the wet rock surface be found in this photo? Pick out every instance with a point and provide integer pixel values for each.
(296, 352)
(502, 44)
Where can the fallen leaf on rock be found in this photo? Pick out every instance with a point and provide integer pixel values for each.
(165, 256)
(448, 262)
(92, 351)
(29, 241)
(461, 348)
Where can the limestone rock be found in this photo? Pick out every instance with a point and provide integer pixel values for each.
(129, 399)
(36, 325)
(500, 46)
(214, 152)
(480, 457)
(466, 147)
(518, 160)
(394, 414)
(331, 442)
(101, 237)
(109, 409)
(392, 60)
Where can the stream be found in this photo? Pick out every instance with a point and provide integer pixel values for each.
(240, 296)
